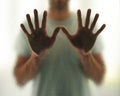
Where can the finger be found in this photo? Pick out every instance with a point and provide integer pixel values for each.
(66, 32)
(100, 30)
(30, 23)
(36, 19)
(94, 22)
(24, 30)
(79, 19)
(88, 18)
(55, 33)
(44, 19)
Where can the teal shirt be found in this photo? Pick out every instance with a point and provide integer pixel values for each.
(61, 72)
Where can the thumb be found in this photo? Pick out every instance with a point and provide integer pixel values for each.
(55, 33)
(66, 32)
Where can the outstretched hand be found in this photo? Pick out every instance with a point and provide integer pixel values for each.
(85, 37)
(38, 38)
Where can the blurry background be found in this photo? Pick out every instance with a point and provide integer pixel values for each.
(12, 13)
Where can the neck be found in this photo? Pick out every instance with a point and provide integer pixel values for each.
(59, 14)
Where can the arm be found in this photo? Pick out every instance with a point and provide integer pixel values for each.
(28, 67)
(93, 66)
(83, 41)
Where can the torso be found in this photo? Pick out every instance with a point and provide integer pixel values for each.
(61, 74)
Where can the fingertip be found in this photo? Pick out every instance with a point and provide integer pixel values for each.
(27, 15)
(78, 11)
(45, 13)
(97, 14)
(57, 29)
(63, 29)
(35, 11)
(21, 25)
(24, 29)
(104, 25)
(89, 10)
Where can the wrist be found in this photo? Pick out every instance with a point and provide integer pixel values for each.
(83, 53)
(34, 54)
(38, 57)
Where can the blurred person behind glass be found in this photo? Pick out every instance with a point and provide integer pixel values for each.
(59, 52)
